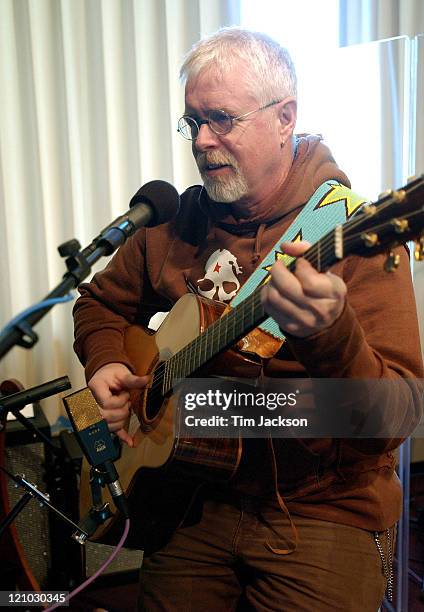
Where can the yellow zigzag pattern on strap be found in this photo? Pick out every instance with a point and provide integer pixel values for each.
(336, 194)
(329, 193)
(340, 193)
(280, 255)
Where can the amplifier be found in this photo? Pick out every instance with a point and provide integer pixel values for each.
(52, 556)
(26, 456)
(127, 561)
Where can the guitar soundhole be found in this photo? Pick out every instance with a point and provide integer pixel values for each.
(154, 398)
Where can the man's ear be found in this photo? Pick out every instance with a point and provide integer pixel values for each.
(287, 113)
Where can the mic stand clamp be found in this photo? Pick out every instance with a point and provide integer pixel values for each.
(31, 491)
(89, 524)
(75, 260)
(100, 512)
(79, 263)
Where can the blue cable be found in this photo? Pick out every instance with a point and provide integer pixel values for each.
(38, 306)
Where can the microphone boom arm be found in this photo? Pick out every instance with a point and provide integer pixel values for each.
(142, 211)
(79, 267)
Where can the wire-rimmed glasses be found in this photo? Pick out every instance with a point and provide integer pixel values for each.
(219, 121)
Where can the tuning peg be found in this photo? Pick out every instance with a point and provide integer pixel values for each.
(419, 249)
(399, 195)
(369, 209)
(392, 262)
(400, 225)
(370, 238)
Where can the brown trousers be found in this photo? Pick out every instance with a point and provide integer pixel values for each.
(224, 562)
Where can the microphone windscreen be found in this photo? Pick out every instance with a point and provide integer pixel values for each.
(162, 197)
(90, 428)
(82, 409)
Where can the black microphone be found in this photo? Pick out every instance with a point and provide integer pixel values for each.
(28, 396)
(96, 441)
(155, 203)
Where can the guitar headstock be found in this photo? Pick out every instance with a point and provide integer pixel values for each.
(396, 218)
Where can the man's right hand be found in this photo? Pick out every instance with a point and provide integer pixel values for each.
(110, 386)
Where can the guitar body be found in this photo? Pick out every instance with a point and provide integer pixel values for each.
(161, 460)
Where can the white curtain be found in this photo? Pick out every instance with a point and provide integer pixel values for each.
(367, 20)
(88, 110)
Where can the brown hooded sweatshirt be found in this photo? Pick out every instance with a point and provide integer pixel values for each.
(342, 480)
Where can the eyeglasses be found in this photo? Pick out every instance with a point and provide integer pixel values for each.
(219, 122)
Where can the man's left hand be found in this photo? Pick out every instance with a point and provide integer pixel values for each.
(304, 302)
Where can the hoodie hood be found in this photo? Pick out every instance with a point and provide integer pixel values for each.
(313, 164)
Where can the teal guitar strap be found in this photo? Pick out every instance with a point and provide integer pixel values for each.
(332, 204)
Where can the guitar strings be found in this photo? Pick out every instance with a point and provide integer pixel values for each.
(322, 248)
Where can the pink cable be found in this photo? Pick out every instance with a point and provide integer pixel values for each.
(98, 572)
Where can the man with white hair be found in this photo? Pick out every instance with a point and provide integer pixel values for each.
(305, 524)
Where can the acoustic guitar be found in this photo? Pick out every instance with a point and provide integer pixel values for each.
(197, 332)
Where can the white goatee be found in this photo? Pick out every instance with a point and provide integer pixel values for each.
(222, 189)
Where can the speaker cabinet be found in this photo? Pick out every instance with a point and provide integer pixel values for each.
(24, 455)
(53, 559)
(127, 561)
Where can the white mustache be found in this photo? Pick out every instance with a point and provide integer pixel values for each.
(205, 159)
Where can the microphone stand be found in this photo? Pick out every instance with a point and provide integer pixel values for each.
(32, 491)
(20, 332)
(79, 265)
(15, 402)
